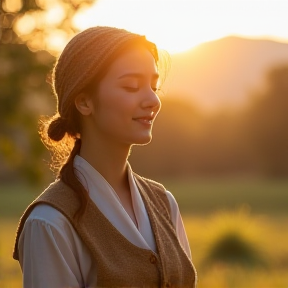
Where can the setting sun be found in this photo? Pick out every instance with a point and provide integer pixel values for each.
(178, 25)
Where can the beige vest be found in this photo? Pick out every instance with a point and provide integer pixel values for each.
(119, 262)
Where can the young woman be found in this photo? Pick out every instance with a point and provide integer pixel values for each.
(100, 224)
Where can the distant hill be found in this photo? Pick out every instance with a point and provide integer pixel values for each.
(223, 72)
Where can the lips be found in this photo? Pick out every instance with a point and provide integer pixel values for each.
(144, 121)
(148, 120)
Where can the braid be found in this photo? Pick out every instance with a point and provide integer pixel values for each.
(67, 175)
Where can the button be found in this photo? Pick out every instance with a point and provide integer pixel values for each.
(153, 259)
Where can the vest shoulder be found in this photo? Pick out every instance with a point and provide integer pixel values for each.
(58, 188)
(61, 197)
(158, 193)
(57, 195)
(153, 184)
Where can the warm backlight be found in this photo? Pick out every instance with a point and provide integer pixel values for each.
(177, 25)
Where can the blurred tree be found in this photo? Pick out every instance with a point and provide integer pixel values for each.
(266, 124)
(40, 24)
(10, 11)
(24, 95)
(27, 29)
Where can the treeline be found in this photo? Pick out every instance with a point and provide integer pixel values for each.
(24, 95)
(248, 142)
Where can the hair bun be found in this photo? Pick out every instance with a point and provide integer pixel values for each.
(57, 129)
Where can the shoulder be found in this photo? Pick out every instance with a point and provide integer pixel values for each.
(151, 183)
(61, 197)
(49, 206)
(43, 209)
(156, 192)
(46, 222)
(153, 188)
(174, 208)
(46, 214)
(160, 188)
(172, 201)
(55, 188)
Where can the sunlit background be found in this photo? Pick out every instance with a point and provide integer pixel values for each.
(220, 143)
(175, 25)
(178, 25)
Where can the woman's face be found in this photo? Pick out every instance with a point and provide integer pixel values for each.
(125, 104)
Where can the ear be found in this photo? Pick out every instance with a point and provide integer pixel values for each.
(84, 104)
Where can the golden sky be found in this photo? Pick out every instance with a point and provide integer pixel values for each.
(174, 25)
(177, 25)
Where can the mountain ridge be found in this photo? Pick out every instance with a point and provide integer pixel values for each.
(225, 72)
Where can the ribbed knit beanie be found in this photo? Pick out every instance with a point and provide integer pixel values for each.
(85, 56)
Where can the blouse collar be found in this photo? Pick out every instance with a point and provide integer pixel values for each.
(108, 202)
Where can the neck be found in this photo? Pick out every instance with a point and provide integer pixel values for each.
(108, 158)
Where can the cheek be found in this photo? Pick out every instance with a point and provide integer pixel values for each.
(116, 110)
(120, 102)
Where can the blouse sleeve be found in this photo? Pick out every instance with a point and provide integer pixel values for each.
(178, 224)
(47, 253)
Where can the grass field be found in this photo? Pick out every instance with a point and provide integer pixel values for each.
(254, 212)
(207, 195)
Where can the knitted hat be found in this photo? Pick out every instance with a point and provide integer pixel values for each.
(85, 56)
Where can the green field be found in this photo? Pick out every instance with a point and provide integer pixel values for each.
(195, 197)
(205, 196)
(253, 211)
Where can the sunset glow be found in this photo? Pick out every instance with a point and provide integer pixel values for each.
(177, 25)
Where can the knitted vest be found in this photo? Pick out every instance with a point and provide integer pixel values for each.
(119, 262)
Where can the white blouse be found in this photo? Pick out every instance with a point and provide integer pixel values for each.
(51, 252)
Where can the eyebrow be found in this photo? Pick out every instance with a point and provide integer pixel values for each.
(137, 75)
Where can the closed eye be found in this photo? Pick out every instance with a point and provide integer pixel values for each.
(131, 89)
(135, 89)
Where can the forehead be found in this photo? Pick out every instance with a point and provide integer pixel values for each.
(134, 60)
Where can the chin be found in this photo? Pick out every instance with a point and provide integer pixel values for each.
(143, 140)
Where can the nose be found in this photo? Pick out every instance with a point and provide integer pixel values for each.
(151, 101)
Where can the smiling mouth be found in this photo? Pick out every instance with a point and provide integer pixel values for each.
(145, 120)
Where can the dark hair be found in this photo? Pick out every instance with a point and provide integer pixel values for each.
(61, 133)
